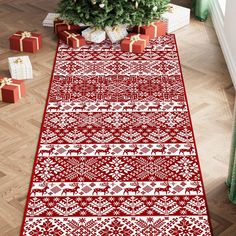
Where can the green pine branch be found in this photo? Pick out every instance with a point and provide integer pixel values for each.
(101, 13)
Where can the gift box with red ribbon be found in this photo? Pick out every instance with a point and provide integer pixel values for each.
(155, 29)
(134, 43)
(63, 25)
(12, 90)
(73, 39)
(25, 41)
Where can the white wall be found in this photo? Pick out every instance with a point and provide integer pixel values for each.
(225, 26)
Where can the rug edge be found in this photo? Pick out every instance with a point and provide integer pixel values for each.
(194, 139)
(39, 139)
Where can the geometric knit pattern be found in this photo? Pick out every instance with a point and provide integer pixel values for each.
(116, 153)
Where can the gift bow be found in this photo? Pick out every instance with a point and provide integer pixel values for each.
(8, 81)
(5, 81)
(116, 28)
(133, 39)
(27, 34)
(18, 61)
(170, 9)
(93, 30)
(72, 35)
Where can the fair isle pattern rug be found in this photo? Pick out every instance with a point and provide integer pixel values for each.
(116, 154)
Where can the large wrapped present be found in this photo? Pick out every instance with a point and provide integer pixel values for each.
(155, 29)
(25, 41)
(20, 67)
(12, 90)
(94, 35)
(134, 43)
(72, 39)
(176, 17)
(49, 19)
(117, 33)
(63, 25)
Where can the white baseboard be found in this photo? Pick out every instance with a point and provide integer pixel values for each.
(218, 22)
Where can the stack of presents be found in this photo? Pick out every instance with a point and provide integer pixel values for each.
(75, 36)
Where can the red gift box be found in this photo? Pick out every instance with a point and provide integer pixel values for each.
(153, 30)
(62, 25)
(134, 43)
(56, 22)
(73, 39)
(12, 90)
(25, 41)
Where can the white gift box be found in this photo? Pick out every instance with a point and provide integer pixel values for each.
(20, 67)
(177, 18)
(117, 33)
(94, 35)
(49, 19)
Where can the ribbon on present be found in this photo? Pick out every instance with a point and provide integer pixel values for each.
(64, 22)
(134, 39)
(72, 35)
(116, 28)
(24, 35)
(93, 30)
(155, 28)
(20, 61)
(170, 9)
(8, 81)
(139, 29)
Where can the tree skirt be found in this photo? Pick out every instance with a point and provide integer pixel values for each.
(116, 154)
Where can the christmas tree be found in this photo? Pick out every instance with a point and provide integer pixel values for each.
(101, 13)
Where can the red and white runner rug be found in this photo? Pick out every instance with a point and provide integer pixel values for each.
(116, 154)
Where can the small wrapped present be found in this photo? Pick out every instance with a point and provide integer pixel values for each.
(94, 35)
(155, 29)
(20, 67)
(72, 39)
(25, 41)
(135, 43)
(117, 33)
(63, 25)
(49, 19)
(176, 17)
(12, 90)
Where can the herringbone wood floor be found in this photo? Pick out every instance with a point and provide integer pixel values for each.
(210, 93)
